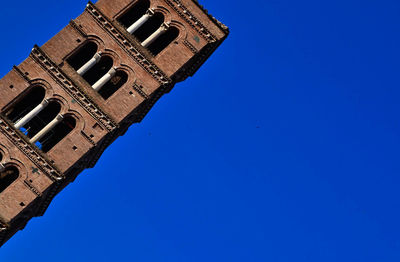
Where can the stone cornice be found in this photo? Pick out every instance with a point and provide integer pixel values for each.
(30, 151)
(73, 90)
(127, 45)
(193, 21)
(222, 26)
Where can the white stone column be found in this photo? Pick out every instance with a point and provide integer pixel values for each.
(47, 128)
(91, 63)
(135, 26)
(102, 81)
(163, 28)
(20, 123)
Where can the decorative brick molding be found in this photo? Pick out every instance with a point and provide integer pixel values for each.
(31, 151)
(32, 188)
(21, 74)
(222, 26)
(138, 89)
(73, 90)
(190, 46)
(75, 26)
(194, 22)
(126, 44)
(88, 138)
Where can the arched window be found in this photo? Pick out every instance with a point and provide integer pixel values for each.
(149, 27)
(135, 13)
(41, 120)
(55, 135)
(85, 54)
(99, 70)
(164, 40)
(26, 104)
(116, 82)
(7, 177)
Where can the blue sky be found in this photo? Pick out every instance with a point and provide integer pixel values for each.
(283, 147)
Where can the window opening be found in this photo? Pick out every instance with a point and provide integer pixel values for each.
(115, 83)
(134, 13)
(164, 40)
(41, 120)
(7, 177)
(83, 55)
(29, 101)
(58, 133)
(99, 70)
(149, 27)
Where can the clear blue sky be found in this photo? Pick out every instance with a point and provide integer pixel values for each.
(284, 147)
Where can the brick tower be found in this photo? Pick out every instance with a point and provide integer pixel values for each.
(72, 97)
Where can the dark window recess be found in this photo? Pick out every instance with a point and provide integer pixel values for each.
(99, 70)
(7, 177)
(33, 127)
(60, 131)
(29, 101)
(164, 40)
(148, 28)
(83, 55)
(112, 86)
(134, 13)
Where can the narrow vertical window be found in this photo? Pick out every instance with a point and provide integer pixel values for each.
(7, 176)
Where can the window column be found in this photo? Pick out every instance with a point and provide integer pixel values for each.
(135, 26)
(163, 28)
(47, 129)
(20, 123)
(102, 81)
(91, 63)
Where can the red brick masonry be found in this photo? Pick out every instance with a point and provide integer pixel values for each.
(31, 176)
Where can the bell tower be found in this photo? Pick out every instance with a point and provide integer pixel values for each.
(73, 96)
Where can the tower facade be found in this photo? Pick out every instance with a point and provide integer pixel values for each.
(72, 97)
